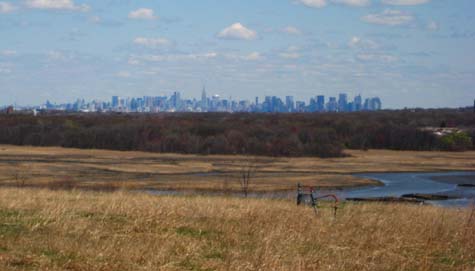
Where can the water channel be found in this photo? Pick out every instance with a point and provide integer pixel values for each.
(395, 185)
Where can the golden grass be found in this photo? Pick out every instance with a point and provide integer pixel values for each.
(102, 169)
(48, 230)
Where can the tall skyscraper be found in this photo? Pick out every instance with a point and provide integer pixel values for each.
(376, 104)
(289, 103)
(358, 103)
(204, 100)
(332, 105)
(115, 101)
(342, 102)
(320, 103)
(267, 105)
(176, 100)
(367, 104)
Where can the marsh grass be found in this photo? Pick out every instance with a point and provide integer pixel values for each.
(77, 230)
(103, 170)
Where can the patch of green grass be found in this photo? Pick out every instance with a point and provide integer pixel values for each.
(189, 264)
(112, 218)
(196, 233)
(215, 254)
(58, 257)
(11, 229)
(11, 223)
(8, 214)
(188, 231)
(15, 222)
(21, 262)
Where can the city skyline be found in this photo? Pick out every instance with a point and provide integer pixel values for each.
(411, 53)
(214, 103)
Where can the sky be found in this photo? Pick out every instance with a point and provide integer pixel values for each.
(410, 53)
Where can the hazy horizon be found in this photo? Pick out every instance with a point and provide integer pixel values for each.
(411, 53)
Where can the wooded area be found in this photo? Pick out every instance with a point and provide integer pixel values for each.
(322, 135)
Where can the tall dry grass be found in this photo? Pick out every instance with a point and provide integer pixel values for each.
(57, 230)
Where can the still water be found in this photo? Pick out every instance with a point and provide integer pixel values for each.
(398, 184)
(395, 185)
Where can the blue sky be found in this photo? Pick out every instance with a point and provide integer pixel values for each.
(408, 52)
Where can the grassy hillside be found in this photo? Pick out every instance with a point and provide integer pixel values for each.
(46, 230)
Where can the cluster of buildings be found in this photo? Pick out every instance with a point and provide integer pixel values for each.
(214, 103)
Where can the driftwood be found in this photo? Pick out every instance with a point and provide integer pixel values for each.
(429, 196)
(387, 199)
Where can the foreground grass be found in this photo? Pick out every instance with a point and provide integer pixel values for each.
(47, 230)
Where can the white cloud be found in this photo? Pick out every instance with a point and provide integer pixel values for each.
(292, 30)
(432, 26)
(151, 42)
(323, 3)
(313, 3)
(8, 53)
(389, 17)
(237, 31)
(376, 58)
(143, 14)
(291, 53)
(135, 60)
(354, 3)
(56, 5)
(357, 42)
(6, 7)
(95, 19)
(253, 56)
(5, 70)
(405, 2)
(123, 74)
(57, 56)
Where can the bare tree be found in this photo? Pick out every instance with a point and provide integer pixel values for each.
(247, 171)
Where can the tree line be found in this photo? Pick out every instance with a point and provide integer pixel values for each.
(321, 135)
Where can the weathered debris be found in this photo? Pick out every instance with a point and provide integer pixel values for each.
(429, 196)
(388, 199)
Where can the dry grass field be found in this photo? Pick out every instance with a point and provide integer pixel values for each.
(79, 230)
(101, 169)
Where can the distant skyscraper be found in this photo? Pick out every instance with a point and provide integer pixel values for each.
(300, 106)
(289, 103)
(320, 103)
(204, 100)
(332, 105)
(115, 101)
(376, 104)
(366, 105)
(357, 103)
(342, 102)
(176, 100)
(267, 105)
